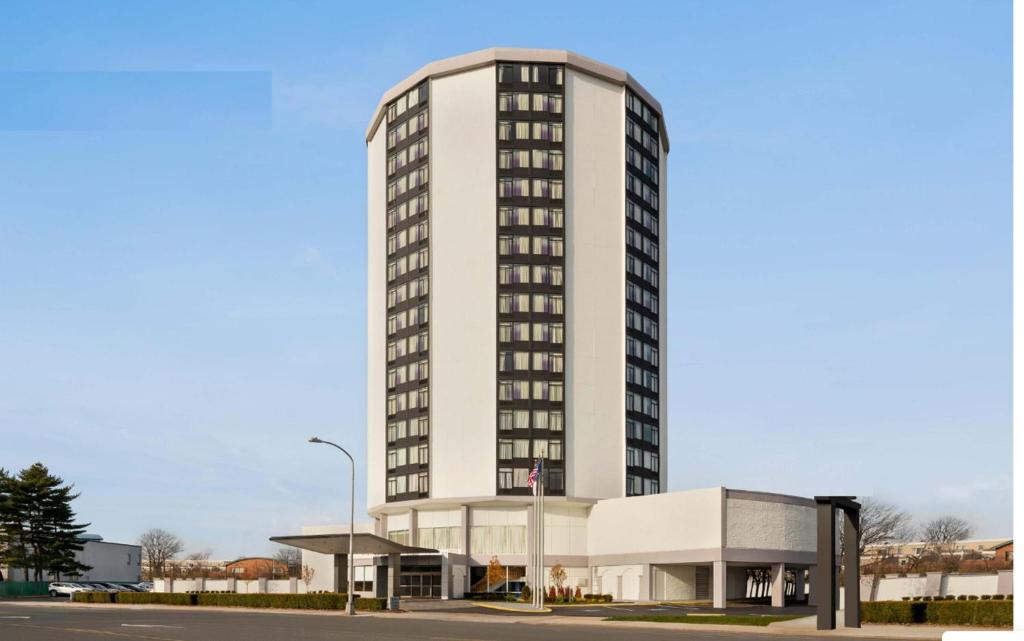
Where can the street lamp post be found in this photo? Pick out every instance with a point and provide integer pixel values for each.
(351, 606)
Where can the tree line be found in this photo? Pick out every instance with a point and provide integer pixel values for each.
(38, 529)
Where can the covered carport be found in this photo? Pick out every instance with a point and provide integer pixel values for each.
(337, 545)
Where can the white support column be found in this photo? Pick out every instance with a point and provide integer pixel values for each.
(718, 584)
(778, 585)
(394, 573)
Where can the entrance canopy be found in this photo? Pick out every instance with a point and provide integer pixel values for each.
(362, 543)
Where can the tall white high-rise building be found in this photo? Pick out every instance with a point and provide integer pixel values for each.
(517, 301)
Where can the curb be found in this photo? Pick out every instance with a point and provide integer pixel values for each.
(492, 606)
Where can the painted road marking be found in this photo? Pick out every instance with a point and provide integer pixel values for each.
(149, 625)
(12, 617)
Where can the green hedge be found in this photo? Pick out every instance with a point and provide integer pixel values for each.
(93, 597)
(969, 612)
(319, 601)
(157, 598)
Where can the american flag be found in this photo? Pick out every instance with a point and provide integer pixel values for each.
(534, 473)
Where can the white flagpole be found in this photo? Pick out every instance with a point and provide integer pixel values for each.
(540, 478)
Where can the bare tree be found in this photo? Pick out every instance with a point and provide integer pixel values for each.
(291, 558)
(196, 565)
(308, 574)
(942, 533)
(882, 522)
(158, 547)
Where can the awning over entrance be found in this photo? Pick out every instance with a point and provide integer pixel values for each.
(362, 543)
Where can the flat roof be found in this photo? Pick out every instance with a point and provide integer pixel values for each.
(362, 543)
(485, 57)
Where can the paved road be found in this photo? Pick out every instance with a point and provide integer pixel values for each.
(59, 623)
(630, 610)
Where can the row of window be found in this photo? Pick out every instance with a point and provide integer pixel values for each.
(510, 130)
(642, 350)
(408, 291)
(634, 104)
(515, 332)
(418, 371)
(412, 455)
(646, 140)
(521, 362)
(641, 403)
(408, 182)
(648, 460)
(523, 391)
(639, 322)
(521, 216)
(640, 269)
(550, 160)
(520, 188)
(520, 303)
(509, 449)
(519, 274)
(410, 263)
(419, 426)
(637, 241)
(516, 477)
(642, 432)
(407, 101)
(552, 420)
(409, 128)
(641, 216)
(641, 296)
(642, 190)
(547, 74)
(636, 485)
(411, 400)
(639, 376)
(408, 484)
(412, 234)
(409, 318)
(410, 154)
(412, 207)
(411, 345)
(520, 101)
(542, 245)
(647, 167)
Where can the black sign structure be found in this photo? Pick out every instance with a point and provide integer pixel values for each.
(825, 577)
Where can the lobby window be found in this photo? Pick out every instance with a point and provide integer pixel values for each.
(555, 479)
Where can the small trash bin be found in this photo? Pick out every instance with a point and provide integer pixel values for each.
(393, 602)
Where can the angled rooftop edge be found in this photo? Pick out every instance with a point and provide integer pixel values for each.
(485, 57)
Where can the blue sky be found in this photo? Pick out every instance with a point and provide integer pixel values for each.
(182, 306)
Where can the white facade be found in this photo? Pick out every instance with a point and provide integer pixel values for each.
(114, 562)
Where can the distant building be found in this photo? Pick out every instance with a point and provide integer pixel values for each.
(115, 562)
(1000, 549)
(256, 567)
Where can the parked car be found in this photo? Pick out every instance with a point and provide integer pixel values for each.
(145, 586)
(116, 586)
(64, 588)
(93, 586)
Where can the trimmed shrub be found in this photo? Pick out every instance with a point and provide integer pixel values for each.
(157, 598)
(906, 598)
(999, 597)
(972, 597)
(94, 597)
(328, 601)
(527, 594)
(942, 612)
(961, 597)
(371, 604)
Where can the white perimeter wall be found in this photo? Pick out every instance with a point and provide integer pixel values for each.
(770, 525)
(595, 287)
(463, 264)
(656, 523)
(376, 317)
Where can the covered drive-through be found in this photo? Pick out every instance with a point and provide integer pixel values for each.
(337, 545)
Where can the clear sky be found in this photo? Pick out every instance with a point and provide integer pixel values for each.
(181, 308)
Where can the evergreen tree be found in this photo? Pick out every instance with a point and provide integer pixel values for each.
(37, 524)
